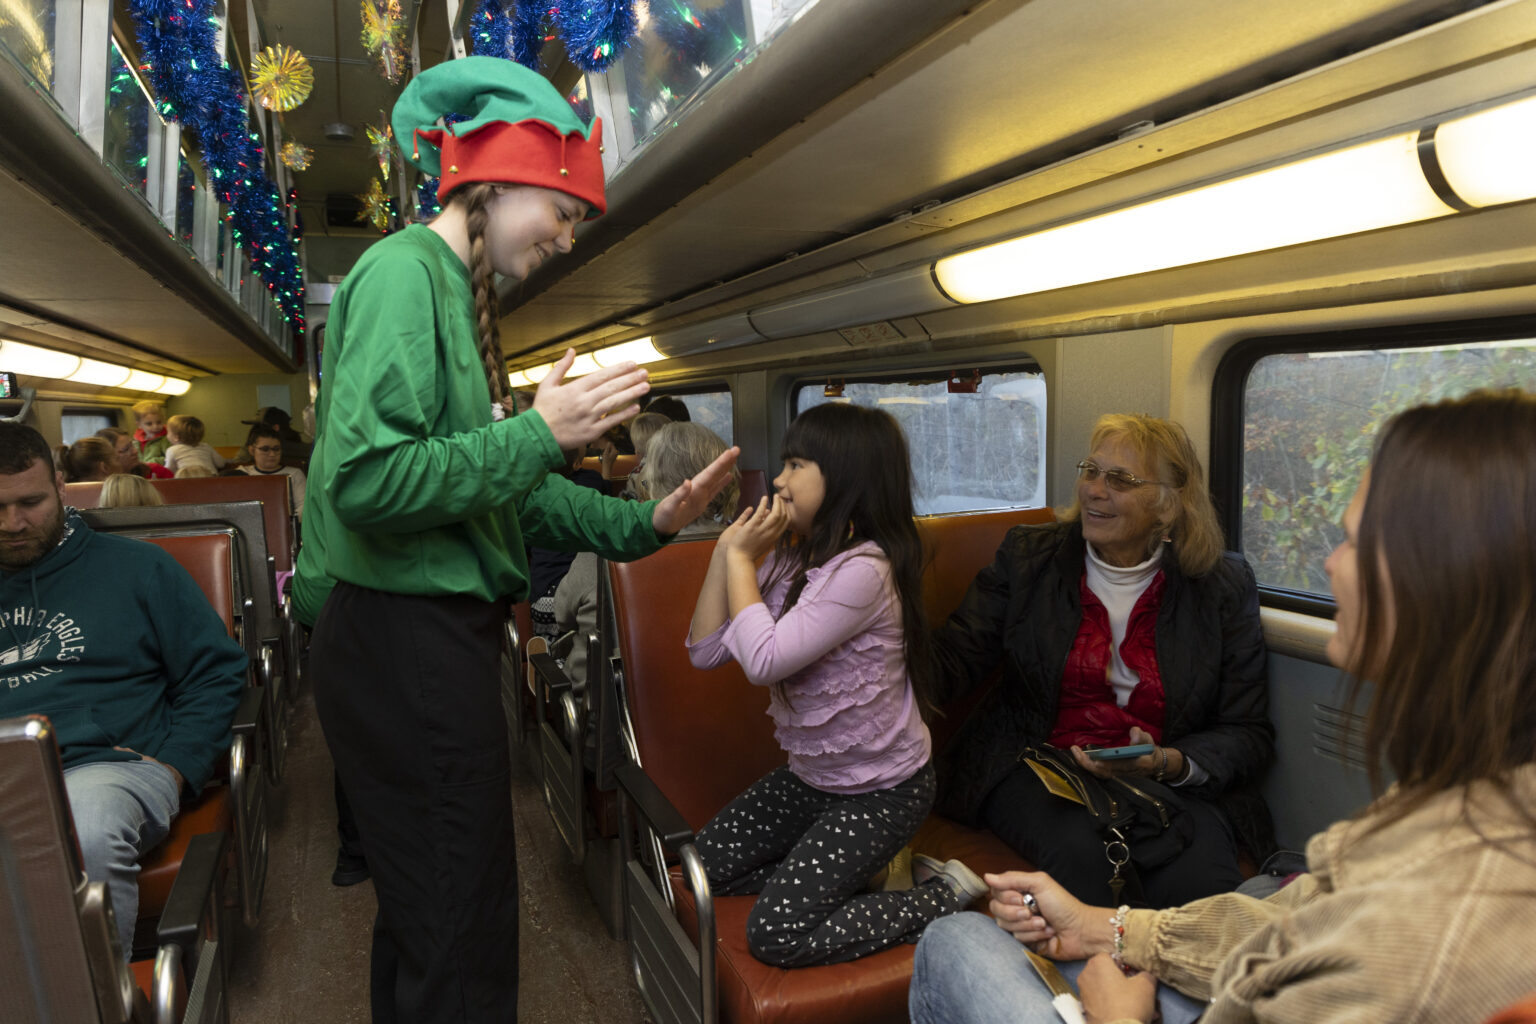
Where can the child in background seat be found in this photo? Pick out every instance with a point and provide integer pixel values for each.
(187, 450)
(150, 431)
(834, 625)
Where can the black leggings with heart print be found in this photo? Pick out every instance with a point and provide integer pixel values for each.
(809, 855)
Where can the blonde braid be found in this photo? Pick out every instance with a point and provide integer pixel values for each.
(487, 305)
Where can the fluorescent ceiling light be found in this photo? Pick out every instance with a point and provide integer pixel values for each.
(138, 380)
(94, 371)
(1489, 157)
(519, 379)
(174, 386)
(583, 365)
(1373, 185)
(31, 361)
(538, 373)
(638, 351)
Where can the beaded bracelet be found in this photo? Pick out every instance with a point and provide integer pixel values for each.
(1118, 923)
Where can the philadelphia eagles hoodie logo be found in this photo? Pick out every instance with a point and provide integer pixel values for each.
(41, 641)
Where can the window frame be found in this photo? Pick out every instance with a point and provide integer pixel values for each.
(1229, 409)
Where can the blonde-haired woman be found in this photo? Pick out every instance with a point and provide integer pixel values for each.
(1123, 623)
(124, 490)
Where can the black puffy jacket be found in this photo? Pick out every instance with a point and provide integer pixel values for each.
(1023, 612)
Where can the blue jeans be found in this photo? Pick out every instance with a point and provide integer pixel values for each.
(122, 809)
(967, 970)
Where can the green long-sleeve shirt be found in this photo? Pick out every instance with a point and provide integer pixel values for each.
(413, 488)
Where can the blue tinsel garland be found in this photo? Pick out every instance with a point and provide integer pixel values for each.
(196, 87)
(595, 32)
(528, 31)
(490, 30)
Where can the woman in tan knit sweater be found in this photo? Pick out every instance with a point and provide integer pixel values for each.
(1418, 909)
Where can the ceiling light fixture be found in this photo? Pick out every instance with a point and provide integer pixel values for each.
(34, 361)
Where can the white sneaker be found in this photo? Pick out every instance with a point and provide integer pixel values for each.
(962, 881)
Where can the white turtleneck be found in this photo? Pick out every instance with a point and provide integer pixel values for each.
(1119, 588)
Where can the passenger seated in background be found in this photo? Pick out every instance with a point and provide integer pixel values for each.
(1123, 623)
(88, 459)
(141, 713)
(278, 419)
(123, 490)
(641, 429)
(265, 446)
(188, 449)
(128, 460)
(678, 452)
(834, 625)
(668, 406)
(149, 432)
(1419, 907)
(547, 567)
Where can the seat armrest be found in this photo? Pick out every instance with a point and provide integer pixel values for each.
(665, 820)
(549, 672)
(248, 712)
(182, 922)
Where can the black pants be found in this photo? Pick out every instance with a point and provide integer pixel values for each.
(1057, 836)
(809, 855)
(408, 690)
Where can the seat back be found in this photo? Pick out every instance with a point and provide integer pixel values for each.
(209, 560)
(272, 491)
(701, 736)
(253, 575)
(961, 545)
(83, 494)
(58, 955)
(754, 486)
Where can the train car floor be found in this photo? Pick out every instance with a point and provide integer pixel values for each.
(307, 961)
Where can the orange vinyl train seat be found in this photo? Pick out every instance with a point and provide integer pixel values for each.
(703, 737)
(208, 560)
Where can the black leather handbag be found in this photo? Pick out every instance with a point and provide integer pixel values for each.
(1142, 823)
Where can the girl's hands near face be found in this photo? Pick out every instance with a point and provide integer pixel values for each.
(693, 496)
(759, 530)
(1108, 994)
(578, 411)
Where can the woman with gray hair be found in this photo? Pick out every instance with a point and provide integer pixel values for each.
(1122, 625)
(676, 452)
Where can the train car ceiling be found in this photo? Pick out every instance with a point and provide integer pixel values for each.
(1005, 122)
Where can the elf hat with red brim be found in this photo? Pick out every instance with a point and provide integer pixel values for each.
(517, 129)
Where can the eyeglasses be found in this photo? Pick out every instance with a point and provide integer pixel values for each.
(268, 449)
(1119, 479)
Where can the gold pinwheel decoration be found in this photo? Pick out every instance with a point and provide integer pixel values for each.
(382, 140)
(384, 36)
(281, 78)
(376, 208)
(297, 156)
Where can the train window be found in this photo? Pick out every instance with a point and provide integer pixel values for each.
(673, 58)
(711, 407)
(126, 149)
(77, 423)
(980, 445)
(1310, 418)
(26, 30)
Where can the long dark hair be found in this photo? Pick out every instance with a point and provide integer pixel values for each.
(867, 473)
(1445, 554)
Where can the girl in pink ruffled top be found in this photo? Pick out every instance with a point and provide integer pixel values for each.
(833, 625)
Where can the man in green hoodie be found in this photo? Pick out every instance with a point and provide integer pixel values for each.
(140, 681)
